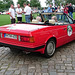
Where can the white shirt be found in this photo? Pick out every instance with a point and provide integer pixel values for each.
(19, 10)
(12, 11)
(62, 8)
(27, 10)
(58, 10)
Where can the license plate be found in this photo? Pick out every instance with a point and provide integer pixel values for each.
(10, 36)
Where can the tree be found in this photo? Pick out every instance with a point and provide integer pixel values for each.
(1, 5)
(48, 2)
(70, 1)
(7, 3)
(57, 2)
(22, 1)
(35, 3)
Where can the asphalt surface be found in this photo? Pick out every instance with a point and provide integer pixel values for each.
(20, 63)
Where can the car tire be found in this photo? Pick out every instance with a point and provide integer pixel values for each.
(50, 48)
(15, 50)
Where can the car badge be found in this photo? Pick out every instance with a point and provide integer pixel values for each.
(69, 30)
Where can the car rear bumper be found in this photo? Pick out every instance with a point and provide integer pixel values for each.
(22, 48)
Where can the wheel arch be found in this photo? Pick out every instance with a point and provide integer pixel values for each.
(54, 38)
(45, 52)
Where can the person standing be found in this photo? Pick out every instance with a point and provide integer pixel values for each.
(70, 10)
(55, 8)
(27, 11)
(58, 10)
(66, 9)
(12, 14)
(31, 17)
(62, 8)
(44, 10)
(19, 13)
(67, 6)
(49, 10)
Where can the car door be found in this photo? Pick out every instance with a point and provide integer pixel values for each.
(62, 34)
(66, 30)
(71, 29)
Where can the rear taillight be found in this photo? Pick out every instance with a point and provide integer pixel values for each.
(27, 39)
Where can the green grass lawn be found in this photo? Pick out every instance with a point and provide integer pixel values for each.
(5, 19)
(74, 15)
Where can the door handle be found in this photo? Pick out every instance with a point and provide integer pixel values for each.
(64, 28)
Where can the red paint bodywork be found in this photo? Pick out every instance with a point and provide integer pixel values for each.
(41, 36)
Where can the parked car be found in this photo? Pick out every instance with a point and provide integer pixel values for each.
(5, 13)
(0, 12)
(42, 37)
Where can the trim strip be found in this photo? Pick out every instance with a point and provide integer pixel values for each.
(22, 48)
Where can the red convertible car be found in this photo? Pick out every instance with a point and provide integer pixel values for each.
(43, 37)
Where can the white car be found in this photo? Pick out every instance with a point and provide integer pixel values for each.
(0, 12)
(3, 13)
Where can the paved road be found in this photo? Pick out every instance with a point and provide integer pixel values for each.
(62, 63)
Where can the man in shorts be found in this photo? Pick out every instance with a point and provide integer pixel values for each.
(19, 13)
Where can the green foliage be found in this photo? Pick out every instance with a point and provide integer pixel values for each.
(35, 3)
(57, 2)
(48, 2)
(5, 4)
(70, 1)
(22, 1)
(1, 5)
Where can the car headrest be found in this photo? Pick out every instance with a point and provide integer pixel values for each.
(52, 21)
(34, 21)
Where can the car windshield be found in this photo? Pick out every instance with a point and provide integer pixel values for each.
(55, 18)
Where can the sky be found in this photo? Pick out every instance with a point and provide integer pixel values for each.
(43, 4)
